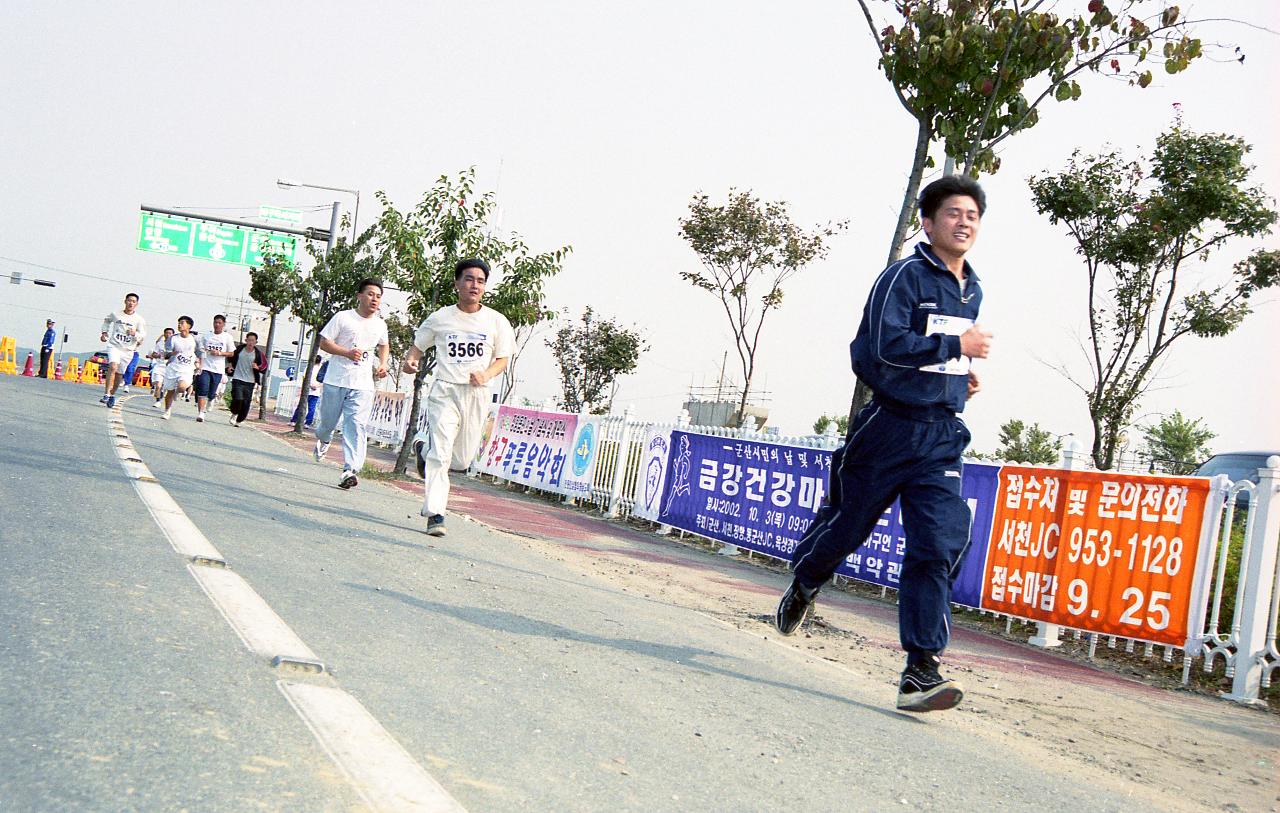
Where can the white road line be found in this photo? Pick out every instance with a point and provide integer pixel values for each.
(379, 768)
(262, 631)
(381, 771)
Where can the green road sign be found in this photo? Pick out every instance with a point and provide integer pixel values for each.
(217, 242)
(280, 214)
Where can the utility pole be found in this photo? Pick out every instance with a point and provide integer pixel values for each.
(305, 382)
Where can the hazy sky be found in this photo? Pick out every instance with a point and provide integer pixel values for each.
(595, 123)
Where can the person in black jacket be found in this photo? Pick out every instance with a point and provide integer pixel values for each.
(918, 333)
(245, 366)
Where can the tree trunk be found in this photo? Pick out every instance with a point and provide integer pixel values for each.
(306, 383)
(266, 380)
(406, 444)
(861, 392)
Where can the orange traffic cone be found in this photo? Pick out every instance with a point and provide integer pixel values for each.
(57, 370)
(29, 369)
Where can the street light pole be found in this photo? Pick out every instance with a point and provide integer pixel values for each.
(285, 183)
(304, 373)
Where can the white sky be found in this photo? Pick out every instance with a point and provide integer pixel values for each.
(596, 123)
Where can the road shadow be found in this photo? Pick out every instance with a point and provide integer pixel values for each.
(683, 656)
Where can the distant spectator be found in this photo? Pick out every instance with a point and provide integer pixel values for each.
(46, 347)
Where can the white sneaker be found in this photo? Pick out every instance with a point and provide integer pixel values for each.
(168, 413)
(199, 417)
(157, 404)
(321, 448)
(124, 390)
(232, 420)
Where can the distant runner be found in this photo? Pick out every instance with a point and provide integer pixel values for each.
(123, 332)
(215, 349)
(473, 343)
(159, 355)
(351, 336)
(182, 365)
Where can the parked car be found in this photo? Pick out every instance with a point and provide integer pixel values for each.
(1237, 466)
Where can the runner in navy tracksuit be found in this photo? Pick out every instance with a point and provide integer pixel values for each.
(907, 443)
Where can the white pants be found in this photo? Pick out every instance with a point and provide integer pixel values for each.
(455, 416)
(352, 408)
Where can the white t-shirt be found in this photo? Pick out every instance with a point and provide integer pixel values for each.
(182, 358)
(216, 341)
(349, 329)
(161, 349)
(125, 331)
(465, 343)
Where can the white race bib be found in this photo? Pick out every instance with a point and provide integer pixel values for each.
(949, 326)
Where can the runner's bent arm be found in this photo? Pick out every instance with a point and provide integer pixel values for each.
(489, 373)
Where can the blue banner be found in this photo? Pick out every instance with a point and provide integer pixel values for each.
(763, 496)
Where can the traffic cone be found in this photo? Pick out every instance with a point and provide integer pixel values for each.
(29, 369)
(57, 370)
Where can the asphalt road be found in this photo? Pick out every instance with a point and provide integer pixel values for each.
(507, 676)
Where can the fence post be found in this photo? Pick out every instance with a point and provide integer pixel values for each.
(620, 468)
(1258, 574)
(1047, 634)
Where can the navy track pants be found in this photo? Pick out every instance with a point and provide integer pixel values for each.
(886, 456)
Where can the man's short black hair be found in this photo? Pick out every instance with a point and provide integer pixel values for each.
(366, 282)
(251, 333)
(218, 316)
(132, 294)
(470, 262)
(168, 328)
(190, 322)
(938, 191)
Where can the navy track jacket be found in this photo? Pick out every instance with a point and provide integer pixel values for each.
(891, 345)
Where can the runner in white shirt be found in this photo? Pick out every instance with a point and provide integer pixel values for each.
(351, 336)
(123, 332)
(215, 349)
(473, 344)
(182, 365)
(158, 355)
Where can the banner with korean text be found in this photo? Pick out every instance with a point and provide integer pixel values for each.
(1109, 553)
(753, 494)
(554, 451)
(879, 560)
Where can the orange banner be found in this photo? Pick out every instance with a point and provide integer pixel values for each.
(1099, 551)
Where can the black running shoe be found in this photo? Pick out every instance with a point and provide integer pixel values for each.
(435, 525)
(794, 608)
(923, 689)
(348, 479)
(418, 446)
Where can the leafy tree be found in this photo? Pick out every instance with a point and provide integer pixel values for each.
(421, 246)
(824, 423)
(748, 250)
(1020, 443)
(400, 339)
(1178, 443)
(524, 335)
(972, 73)
(330, 287)
(1144, 231)
(271, 285)
(591, 357)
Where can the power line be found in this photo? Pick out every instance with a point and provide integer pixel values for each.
(109, 279)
